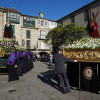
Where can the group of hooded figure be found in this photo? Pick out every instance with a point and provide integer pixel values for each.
(19, 62)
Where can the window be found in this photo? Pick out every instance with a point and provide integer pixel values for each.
(28, 21)
(61, 23)
(28, 34)
(42, 34)
(45, 22)
(38, 21)
(42, 23)
(86, 15)
(13, 28)
(55, 24)
(13, 17)
(28, 43)
(51, 23)
(42, 45)
(72, 19)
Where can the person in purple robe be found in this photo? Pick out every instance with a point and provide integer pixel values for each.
(12, 67)
(19, 68)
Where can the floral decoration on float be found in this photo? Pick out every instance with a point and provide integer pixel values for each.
(8, 45)
(87, 48)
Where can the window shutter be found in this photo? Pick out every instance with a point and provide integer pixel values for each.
(28, 34)
(28, 43)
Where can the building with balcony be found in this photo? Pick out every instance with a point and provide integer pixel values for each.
(30, 31)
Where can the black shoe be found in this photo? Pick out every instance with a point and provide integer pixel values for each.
(64, 92)
(68, 91)
(58, 85)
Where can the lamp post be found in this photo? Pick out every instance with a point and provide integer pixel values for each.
(23, 42)
(13, 39)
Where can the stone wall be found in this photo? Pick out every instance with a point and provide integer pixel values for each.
(79, 15)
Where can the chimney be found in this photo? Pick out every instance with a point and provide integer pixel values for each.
(41, 15)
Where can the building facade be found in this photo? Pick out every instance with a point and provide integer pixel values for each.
(80, 16)
(30, 31)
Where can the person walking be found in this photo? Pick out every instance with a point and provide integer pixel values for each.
(60, 70)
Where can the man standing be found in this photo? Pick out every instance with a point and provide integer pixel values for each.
(60, 70)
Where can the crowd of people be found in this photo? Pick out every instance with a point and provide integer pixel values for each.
(18, 64)
(43, 57)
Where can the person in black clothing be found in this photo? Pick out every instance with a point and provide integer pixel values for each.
(60, 70)
(12, 67)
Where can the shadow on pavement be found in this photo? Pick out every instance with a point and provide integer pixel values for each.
(49, 78)
(47, 63)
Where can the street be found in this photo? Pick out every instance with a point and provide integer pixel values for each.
(39, 84)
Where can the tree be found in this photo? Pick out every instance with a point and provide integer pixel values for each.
(55, 35)
(73, 32)
(64, 35)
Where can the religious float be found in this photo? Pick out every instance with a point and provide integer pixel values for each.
(85, 74)
(7, 46)
(14, 60)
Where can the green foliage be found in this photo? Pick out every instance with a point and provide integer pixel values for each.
(55, 35)
(73, 32)
(16, 43)
(65, 35)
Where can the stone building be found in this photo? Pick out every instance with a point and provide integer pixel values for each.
(80, 16)
(30, 31)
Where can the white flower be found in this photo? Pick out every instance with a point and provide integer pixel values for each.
(88, 42)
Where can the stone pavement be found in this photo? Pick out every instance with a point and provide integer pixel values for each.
(39, 84)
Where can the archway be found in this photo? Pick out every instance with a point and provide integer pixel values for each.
(44, 56)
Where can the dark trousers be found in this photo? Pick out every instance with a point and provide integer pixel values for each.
(63, 80)
(12, 73)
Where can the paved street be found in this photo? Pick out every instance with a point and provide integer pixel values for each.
(39, 84)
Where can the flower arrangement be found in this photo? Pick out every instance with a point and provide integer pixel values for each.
(87, 48)
(84, 43)
(8, 45)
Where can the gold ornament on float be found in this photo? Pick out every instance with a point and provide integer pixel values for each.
(1, 52)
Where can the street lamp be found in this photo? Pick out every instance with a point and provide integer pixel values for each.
(13, 39)
(23, 42)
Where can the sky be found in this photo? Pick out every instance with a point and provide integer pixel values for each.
(51, 9)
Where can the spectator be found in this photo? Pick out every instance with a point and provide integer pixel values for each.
(50, 60)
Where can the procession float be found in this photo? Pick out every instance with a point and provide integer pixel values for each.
(7, 45)
(86, 49)
(85, 74)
